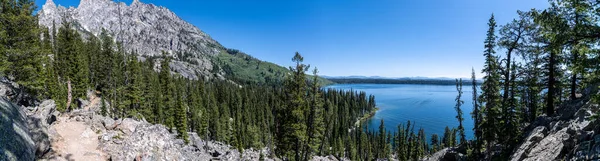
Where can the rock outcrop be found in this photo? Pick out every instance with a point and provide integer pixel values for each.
(446, 154)
(39, 120)
(144, 28)
(570, 135)
(16, 142)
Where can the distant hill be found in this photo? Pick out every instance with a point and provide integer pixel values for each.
(404, 80)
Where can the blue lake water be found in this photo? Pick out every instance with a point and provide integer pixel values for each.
(429, 106)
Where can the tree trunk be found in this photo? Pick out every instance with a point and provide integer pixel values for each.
(574, 77)
(551, 82)
(69, 95)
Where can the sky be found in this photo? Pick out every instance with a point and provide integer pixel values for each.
(389, 38)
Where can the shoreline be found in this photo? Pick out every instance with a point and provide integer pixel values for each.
(366, 116)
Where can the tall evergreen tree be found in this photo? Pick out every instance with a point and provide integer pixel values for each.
(459, 117)
(316, 125)
(476, 114)
(180, 114)
(552, 33)
(168, 87)
(293, 128)
(490, 89)
(21, 49)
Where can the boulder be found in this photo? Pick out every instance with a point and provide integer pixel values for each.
(82, 104)
(5, 89)
(128, 126)
(108, 123)
(47, 111)
(549, 148)
(15, 140)
(533, 138)
(39, 124)
(446, 154)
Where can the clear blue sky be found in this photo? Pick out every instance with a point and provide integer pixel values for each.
(391, 38)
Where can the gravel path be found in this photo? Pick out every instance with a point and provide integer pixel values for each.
(78, 141)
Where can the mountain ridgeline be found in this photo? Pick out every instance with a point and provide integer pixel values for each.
(148, 30)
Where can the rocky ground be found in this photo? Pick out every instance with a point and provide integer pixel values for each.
(571, 135)
(83, 135)
(42, 133)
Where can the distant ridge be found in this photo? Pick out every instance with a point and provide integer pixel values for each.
(399, 80)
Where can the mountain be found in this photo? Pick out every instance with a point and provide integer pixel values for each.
(149, 30)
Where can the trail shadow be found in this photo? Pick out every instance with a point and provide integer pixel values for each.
(69, 157)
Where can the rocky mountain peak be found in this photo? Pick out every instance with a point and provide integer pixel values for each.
(143, 28)
(136, 2)
(50, 3)
(93, 2)
(49, 7)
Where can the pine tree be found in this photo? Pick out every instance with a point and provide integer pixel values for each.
(93, 48)
(553, 29)
(476, 114)
(381, 141)
(21, 46)
(168, 87)
(67, 53)
(435, 143)
(316, 125)
(4, 63)
(490, 89)
(447, 137)
(103, 70)
(459, 113)
(293, 130)
(134, 87)
(180, 115)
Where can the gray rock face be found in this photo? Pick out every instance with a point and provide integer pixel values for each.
(446, 154)
(15, 140)
(39, 121)
(144, 28)
(534, 137)
(567, 136)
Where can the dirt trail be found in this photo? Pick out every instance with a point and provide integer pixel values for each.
(78, 141)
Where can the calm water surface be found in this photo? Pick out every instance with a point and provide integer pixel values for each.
(429, 106)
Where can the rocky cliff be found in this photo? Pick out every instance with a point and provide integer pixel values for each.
(144, 28)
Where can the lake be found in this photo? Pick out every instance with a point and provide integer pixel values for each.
(429, 106)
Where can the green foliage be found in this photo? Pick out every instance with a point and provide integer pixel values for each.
(490, 88)
(246, 69)
(180, 114)
(167, 86)
(435, 143)
(459, 117)
(316, 125)
(21, 54)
